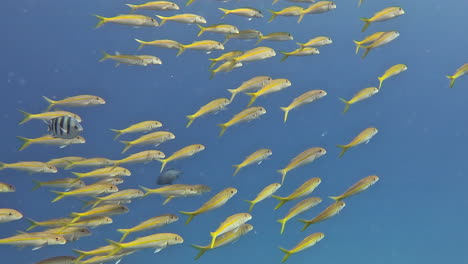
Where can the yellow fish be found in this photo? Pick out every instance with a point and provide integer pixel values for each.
(329, 212)
(361, 95)
(317, 8)
(231, 223)
(276, 36)
(382, 15)
(224, 239)
(35, 240)
(124, 195)
(152, 223)
(76, 101)
(92, 162)
(225, 67)
(211, 107)
(218, 28)
(358, 187)
(106, 172)
(50, 140)
(155, 5)
(144, 127)
(48, 223)
(245, 12)
(305, 98)
(244, 34)
(316, 42)
(8, 215)
(129, 20)
(304, 158)
(304, 244)
(157, 241)
(305, 189)
(254, 83)
(163, 43)
(63, 162)
(363, 137)
(142, 157)
(5, 187)
(463, 70)
(392, 71)
(288, 11)
(259, 53)
(29, 166)
(104, 210)
(299, 208)
(385, 38)
(203, 45)
(183, 18)
(88, 190)
(177, 190)
(225, 56)
(244, 116)
(70, 233)
(265, 193)
(154, 138)
(275, 85)
(307, 51)
(256, 157)
(125, 59)
(182, 153)
(96, 252)
(91, 222)
(47, 116)
(67, 184)
(369, 39)
(216, 201)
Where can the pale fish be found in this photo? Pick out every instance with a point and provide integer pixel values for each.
(273, 86)
(211, 107)
(358, 187)
(302, 191)
(183, 18)
(307, 51)
(185, 152)
(263, 194)
(50, 140)
(257, 157)
(305, 98)
(244, 116)
(254, 83)
(364, 137)
(76, 101)
(394, 70)
(128, 20)
(359, 96)
(154, 138)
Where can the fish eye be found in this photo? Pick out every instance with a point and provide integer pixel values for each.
(232, 191)
(97, 98)
(10, 214)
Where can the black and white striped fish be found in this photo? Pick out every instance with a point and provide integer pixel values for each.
(65, 127)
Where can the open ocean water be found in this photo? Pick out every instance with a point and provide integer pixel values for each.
(415, 213)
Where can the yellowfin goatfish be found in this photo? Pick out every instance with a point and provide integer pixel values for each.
(37, 241)
(30, 166)
(305, 189)
(358, 187)
(50, 140)
(163, 43)
(5, 188)
(329, 212)
(385, 38)
(152, 223)
(276, 36)
(67, 184)
(106, 172)
(316, 42)
(92, 162)
(154, 138)
(70, 233)
(48, 223)
(96, 252)
(265, 193)
(304, 244)
(299, 208)
(104, 210)
(48, 116)
(144, 127)
(183, 18)
(149, 59)
(215, 202)
(304, 158)
(363, 137)
(369, 39)
(76, 101)
(317, 8)
(259, 53)
(128, 20)
(225, 56)
(392, 71)
(256, 157)
(8, 215)
(203, 45)
(244, 116)
(88, 190)
(104, 259)
(245, 12)
(305, 98)
(463, 70)
(211, 107)
(288, 11)
(114, 181)
(182, 153)
(92, 222)
(254, 83)
(218, 28)
(142, 157)
(275, 85)
(307, 51)
(225, 67)
(58, 260)
(224, 239)
(382, 15)
(125, 59)
(361, 95)
(155, 5)
(244, 34)
(177, 190)
(63, 162)
(124, 195)
(231, 223)
(157, 241)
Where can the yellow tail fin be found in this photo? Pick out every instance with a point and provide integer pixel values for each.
(273, 15)
(32, 223)
(285, 56)
(190, 214)
(133, 8)
(26, 142)
(163, 20)
(381, 79)
(27, 117)
(238, 167)
(125, 233)
(223, 129)
(367, 23)
(283, 224)
(347, 105)
(452, 80)
(202, 29)
(212, 74)
(181, 50)
(336, 198)
(213, 239)
(191, 118)
(119, 133)
(233, 94)
(225, 11)
(50, 101)
(81, 254)
(142, 43)
(288, 254)
(163, 163)
(306, 224)
(286, 112)
(102, 21)
(189, 2)
(201, 251)
(252, 100)
(358, 45)
(301, 16)
(283, 174)
(281, 199)
(60, 196)
(252, 204)
(168, 199)
(118, 246)
(344, 148)
(37, 185)
(105, 56)
(213, 63)
(366, 52)
(128, 145)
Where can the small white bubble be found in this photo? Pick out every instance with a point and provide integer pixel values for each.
(324, 133)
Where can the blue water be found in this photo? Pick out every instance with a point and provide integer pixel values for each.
(414, 214)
